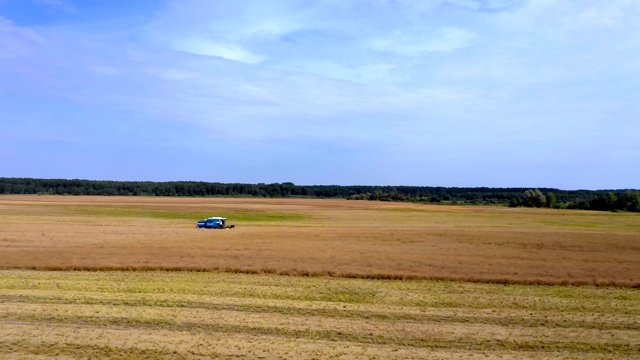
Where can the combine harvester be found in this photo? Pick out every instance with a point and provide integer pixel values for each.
(214, 223)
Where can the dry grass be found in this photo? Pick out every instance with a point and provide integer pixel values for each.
(168, 315)
(322, 237)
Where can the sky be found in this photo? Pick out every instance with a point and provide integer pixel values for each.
(458, 93)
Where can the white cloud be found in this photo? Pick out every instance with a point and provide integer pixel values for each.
(561, 17)
(373, 73)
(488, 5)
(418, 41)
(206, 47)
(257, 28)
(290, 32)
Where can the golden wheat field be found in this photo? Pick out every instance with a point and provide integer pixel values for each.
(381, 280)
(322, 237)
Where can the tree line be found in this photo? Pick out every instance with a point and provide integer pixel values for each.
(555, 198)
(602, 201)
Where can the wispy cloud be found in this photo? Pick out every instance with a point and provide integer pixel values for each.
(201, 46)
(418, 41)
(56, 4)
(17, 41)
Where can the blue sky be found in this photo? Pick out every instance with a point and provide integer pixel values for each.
(526, 93)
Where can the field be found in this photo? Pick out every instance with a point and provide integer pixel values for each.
(477, 282)
(323, 237)
(177, 315)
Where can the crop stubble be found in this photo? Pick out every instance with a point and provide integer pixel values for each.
(322, 237)
(220, 315)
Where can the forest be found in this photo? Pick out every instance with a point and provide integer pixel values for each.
(605, 200)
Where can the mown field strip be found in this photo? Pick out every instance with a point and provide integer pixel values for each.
(205, 315)
(495, 316)
(377, 331)
(165, 344)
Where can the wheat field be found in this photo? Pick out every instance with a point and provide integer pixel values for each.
(322, 237)
(314, 279)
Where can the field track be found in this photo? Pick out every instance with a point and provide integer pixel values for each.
(322, 237)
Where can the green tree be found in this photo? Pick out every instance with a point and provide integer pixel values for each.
(533, 198)
(550, 200)
(629, 201)
(634, 204)
(603, 202)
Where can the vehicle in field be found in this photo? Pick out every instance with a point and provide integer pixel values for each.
(214, 223)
